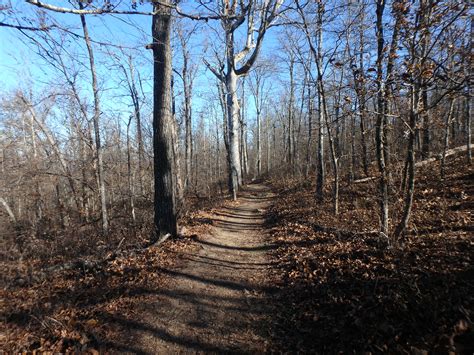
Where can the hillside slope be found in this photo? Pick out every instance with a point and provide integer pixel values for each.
(339, 290)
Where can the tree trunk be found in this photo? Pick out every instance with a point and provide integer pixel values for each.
(8, 209)
(225, 126)
(381, 120)
(320, 175)
(136, 104)
(468, 71)
(426, 139)
(163, 141)
(233, 126)
(268, 150)
(446, 138)
(259, 146)
(410, 162)
(362, 103)
(353, 153)
(129, 174)
(95, 120)
(187, 84)
(310, 132)
(243, 135)
(291, 148)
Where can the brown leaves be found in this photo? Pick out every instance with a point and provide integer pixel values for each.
(66, 313)
(339, 293)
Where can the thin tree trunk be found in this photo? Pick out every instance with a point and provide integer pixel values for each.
(353, 153)
(95, 119)
(8, 209)
(417, 105)
(187, 84)
(469, 71)
(268, 129)
(381, 120)
(243, 135)
(129, 174)
(310, 132)
(225, 126)
(426, 139)
(291, 164)
(410, 162)
(259, 146)
(321, 111)
(446, 138)
(137, 114)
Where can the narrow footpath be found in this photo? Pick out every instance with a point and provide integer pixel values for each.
(217, 300)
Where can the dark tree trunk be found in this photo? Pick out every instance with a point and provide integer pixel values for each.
(410, 163)
(446, 139)
(381, 121)
(163, 130)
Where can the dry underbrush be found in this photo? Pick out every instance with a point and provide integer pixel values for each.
(79, 309)
(344, 292)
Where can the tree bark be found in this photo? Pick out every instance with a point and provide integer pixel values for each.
(469, 71)
(320, 178)
(165, 219)
(410, 162)
(233, 126)
(381, 122)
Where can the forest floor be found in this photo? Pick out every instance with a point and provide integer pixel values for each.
(274, 271)
(205, 291)
(342, 289)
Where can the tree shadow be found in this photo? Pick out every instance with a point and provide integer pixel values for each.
(355, 298)
(156, 332)
(263, 247)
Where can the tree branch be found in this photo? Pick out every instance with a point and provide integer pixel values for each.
(27, 28)
(213, 70)
(111, 10)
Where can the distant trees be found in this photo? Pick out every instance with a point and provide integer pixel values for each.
(342, 93)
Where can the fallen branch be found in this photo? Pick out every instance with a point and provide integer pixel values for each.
(370, 178)
(374, 238)
(449, 152)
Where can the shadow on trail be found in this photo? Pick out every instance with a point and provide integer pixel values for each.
(161, 333)
(215, 301)
(257, 248)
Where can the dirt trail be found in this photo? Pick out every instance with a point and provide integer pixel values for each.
(217, 300)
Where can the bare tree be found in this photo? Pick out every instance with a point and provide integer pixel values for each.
(260, 91)
(163, 126)
(187, 75)
(96, 122)
(259, 16)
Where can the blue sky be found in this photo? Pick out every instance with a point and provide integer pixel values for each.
(21, 67)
